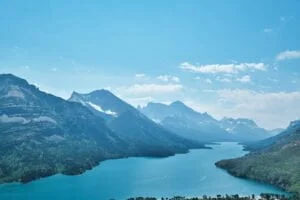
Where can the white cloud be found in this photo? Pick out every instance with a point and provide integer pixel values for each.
(26, 67)
(168, 78)
(223, 68)
(244, 79)
(141, 94)
(163, 78)
(142, 89)
(288, 55)
(273, 79)
(175, 79)
(224, 80)
(140, 75)
(208, 81)
(282, 19)
(140, 101)
(268, 30)
(268, 109)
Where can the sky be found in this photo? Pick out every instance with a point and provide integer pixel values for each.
(231, 58)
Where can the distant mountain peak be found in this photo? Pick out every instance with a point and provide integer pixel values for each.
(149, 104)
(12, 79)
(180, 105)
(8, 76)
(102, 101)
(206, 114)
(177, 103)
(96, 93)
(240, 120)
(294, 124)
(75, 94)
(101, 92)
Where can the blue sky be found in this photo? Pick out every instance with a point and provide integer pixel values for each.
(227, 58)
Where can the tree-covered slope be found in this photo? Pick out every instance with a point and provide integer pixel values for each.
(276, 162)
(41, 134)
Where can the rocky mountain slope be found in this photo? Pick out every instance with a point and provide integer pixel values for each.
(143, 135)
(243, 129)
(189, 123)
(41, 134)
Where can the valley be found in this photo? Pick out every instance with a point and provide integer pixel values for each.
(43, 135)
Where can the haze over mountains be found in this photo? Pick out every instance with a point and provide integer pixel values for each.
(131, 125)
(41, 134)
(201, 126)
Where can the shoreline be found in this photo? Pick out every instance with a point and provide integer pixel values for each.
(57, 178)
(98, 163)
(283, 189)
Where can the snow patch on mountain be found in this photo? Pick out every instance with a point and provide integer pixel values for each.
(98, 108)
(156, 120)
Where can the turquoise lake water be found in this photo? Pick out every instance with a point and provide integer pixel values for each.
(191, 174)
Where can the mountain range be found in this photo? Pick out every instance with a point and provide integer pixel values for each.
(186, 122)
(144, 135)
(42, 135)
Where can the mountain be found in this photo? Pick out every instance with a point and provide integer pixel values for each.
(244, 129)
(188, 123)
(41, 134)
(275, 160)
(275, 131)
(258, 145)
(145, 136)
(102, 104)
(158, 111)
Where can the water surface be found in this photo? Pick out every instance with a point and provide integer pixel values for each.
(191, 174)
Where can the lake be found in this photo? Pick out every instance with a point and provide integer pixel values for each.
(191, 174)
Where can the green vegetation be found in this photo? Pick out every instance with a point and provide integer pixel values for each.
(277, 163)
(42, 135)
(225, 197)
